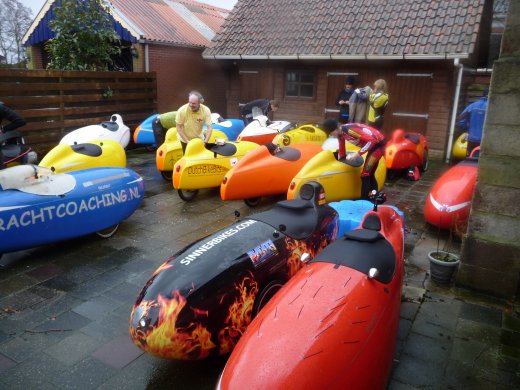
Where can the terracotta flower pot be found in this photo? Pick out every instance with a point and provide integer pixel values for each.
(443, 265)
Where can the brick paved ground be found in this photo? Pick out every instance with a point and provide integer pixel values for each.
(64, 308)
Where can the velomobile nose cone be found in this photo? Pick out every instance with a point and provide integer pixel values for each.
(164, 323)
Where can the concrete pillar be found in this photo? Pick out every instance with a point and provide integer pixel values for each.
(491, 249)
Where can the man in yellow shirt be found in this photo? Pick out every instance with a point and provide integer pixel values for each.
(190, 119)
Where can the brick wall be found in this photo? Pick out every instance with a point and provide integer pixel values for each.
(437, 97)
(35, 57)
(180, 70)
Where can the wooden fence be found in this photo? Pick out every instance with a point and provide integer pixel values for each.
(56, 102)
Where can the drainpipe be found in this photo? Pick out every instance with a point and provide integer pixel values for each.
(146, 58)
(457, 64)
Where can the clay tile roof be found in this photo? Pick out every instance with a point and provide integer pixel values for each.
(343, 28)
(176, 22)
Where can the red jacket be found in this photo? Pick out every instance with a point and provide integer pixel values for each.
(364, 136)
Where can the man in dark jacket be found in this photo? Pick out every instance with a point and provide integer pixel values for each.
(343, 100)
(265, 105)
(15, 120)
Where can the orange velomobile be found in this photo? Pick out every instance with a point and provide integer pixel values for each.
(267, 170)
(449, 201)
(406, 150)
(334, 324)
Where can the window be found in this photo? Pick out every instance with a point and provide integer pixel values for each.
(299, 84)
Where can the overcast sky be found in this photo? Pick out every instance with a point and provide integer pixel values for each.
(36, 5)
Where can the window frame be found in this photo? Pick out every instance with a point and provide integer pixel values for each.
(299, 84)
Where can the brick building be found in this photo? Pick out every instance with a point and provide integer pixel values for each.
(166, 37)
(301, 56)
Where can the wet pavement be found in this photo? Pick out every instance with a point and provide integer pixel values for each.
(64, 308)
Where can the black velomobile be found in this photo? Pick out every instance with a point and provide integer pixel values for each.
(200, 301)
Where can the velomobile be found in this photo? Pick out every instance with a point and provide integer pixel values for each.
(407, 151)
(14, 151)
(303, 134)
(352, 212)
(204, 166)
(262, 131)
(95, 154)
(143, 133)
(231, 127)
(171, 151)
(113, 129)
(460, 147)
(334, 324)
(265, 171)
(448, 204)
(200, 301)
(340, 178)
(38, 206)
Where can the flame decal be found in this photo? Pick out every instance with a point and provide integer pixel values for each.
(312, 246)
(239, 315)
(170, 327)
(166, 339)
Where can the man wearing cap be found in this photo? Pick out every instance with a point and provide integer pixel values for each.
(343, 100)
(474, 114)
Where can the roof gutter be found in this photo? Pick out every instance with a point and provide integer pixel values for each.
(457, 64)
(447, 56)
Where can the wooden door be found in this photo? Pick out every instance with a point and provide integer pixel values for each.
(255, 84)
(248, 85)
(409, 102)
(335, 83)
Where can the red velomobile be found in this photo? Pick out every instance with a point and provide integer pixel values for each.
(200, 301)
(334, 324)
(407, 151)
(449, 201)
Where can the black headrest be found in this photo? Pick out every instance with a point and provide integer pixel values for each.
(372, 222)
(363, 235)
(111, 126)
(227, 149)
(88, 149)
(413, 138)
(296, 218)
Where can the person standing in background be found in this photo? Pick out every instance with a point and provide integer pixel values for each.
(378, 102)
(190, 119)
(343, 100)
(358, 105)
(474, 115)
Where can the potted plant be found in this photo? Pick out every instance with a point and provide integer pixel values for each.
(443, 262)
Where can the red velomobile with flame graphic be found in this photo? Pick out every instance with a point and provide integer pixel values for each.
(200, 301)
(334, 324)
